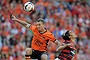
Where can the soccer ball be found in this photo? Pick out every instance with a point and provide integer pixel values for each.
(28, 6)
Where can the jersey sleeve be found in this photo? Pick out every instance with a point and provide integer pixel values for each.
(52, 38)
(32, 27)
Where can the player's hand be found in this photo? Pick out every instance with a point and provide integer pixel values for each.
(13, 17)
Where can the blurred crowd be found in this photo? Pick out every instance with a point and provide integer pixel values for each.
(59, 15)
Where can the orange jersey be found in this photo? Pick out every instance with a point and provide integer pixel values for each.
(40, 41)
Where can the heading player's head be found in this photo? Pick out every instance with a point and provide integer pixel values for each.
(40, 24)
(69, 35)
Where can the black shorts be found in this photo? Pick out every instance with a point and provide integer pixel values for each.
(37, 54)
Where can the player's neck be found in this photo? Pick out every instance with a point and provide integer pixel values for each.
(42, 31)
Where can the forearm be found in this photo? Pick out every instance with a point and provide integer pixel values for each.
(61, 47)
(23, 23)
(57, 43)
(20, 21)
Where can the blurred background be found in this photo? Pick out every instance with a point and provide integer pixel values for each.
(59, 15)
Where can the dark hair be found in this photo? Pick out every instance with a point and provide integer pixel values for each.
(41, 20)
(66, 35)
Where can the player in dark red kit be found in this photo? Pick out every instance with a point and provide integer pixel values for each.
(67, 48)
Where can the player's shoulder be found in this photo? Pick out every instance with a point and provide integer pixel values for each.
(48, 33)
(33, 27)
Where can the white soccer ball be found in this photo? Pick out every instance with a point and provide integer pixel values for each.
(28, 6)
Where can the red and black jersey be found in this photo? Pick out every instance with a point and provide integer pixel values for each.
(68, 52)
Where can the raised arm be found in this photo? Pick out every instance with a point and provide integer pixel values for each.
(20, 21)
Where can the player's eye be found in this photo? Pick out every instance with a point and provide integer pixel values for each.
(38, 25)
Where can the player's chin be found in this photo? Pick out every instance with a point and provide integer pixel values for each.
(39, 29)
(75, 37)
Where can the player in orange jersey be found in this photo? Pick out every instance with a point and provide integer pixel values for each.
(40, 39)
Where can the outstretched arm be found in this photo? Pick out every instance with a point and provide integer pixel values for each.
(20, 21)
(57, 43)
(62, 47)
